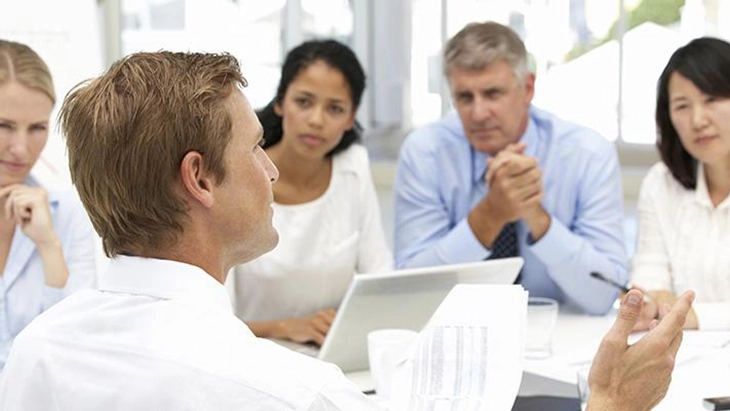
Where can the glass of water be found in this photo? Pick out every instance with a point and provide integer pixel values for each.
(583, 389)
(542, 315)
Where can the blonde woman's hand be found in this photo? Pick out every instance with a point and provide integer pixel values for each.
(29, 208)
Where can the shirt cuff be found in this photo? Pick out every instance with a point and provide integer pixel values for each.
(462, 246)
(712, 316)
(556, 245)
(652, 283)
(51, 295)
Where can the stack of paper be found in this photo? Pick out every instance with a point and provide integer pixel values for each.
(469, 356)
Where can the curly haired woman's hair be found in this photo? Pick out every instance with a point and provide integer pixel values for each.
(335, 55)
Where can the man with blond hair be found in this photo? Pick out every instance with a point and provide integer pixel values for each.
(165, 152)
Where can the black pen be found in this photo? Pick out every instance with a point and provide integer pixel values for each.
(599, 276)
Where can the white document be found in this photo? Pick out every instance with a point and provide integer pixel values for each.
(695, 338)
(469, 355)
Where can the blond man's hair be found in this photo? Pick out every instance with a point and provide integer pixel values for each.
(20, 63)
(127, 132)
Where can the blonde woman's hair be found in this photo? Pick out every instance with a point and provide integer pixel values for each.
(20, 63)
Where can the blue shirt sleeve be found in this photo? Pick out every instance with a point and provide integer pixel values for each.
(594, 240)
(425, 233)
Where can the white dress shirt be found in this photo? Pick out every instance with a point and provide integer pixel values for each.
(23, 291)
(160, 335)
(683, 244)
(322, 244)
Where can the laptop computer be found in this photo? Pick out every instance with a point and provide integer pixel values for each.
(400, 299)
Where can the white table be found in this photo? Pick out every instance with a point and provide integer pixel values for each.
(702, 369)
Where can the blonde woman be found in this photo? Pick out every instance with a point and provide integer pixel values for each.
(46, 240)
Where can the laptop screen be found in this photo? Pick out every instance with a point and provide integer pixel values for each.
(401, 299)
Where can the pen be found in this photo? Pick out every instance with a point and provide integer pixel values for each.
(599, 276)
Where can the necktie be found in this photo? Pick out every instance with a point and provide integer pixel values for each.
(505, 245)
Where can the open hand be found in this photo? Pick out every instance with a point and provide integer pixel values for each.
(657, 305)
(636, 377)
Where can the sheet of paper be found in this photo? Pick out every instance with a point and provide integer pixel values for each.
(708, 339)
(707, 375)
(469, 356)
(577, 339)
(694, 343)
(695, 338)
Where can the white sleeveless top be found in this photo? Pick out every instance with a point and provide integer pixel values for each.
(322, 244)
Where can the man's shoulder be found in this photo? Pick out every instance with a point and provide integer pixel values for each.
(44, 327)
(445, 135)
(570, 135)
(223, 373)
(444, 131)
(213, 346)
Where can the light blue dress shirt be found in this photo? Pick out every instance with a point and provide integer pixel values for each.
(23, 292)
(440, 179)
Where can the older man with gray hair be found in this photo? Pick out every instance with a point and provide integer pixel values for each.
(500, 178)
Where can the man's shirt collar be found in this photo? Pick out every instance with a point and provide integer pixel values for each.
(164, 279)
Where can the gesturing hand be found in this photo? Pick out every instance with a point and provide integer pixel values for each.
(654, 307)
(29, 208)
(636, 377)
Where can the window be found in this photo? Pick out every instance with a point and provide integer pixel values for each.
(425, 68)
(596, 63)
(250, 30)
